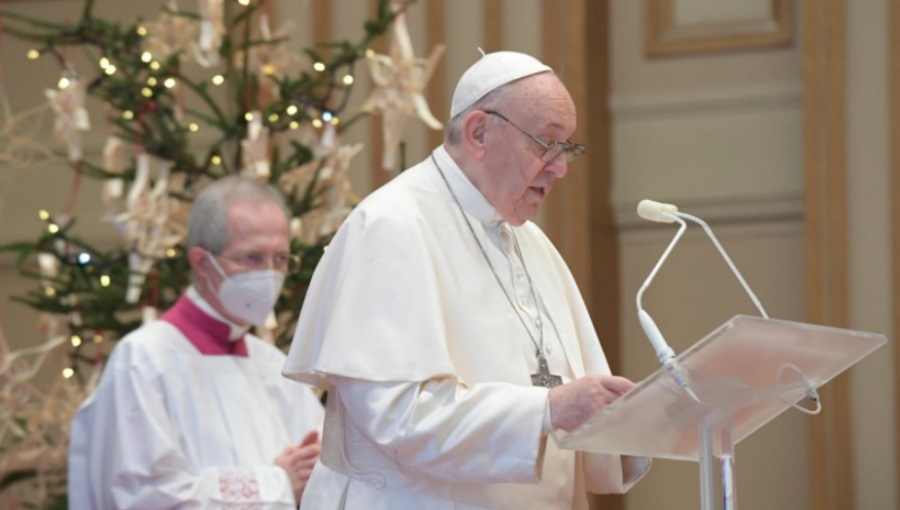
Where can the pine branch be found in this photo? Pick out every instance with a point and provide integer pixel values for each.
(221, 121)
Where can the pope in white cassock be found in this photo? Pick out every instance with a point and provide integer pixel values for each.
(448, 330)
(191, 411)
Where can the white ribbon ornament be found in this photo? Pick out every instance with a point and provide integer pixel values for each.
(255, 148)
(71, 115)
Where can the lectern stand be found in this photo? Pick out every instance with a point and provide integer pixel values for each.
(745, 373)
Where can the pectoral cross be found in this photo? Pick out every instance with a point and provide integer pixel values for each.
(544, 377)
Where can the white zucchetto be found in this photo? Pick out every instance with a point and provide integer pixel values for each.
(492, 71)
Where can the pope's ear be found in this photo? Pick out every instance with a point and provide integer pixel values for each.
(473, 134)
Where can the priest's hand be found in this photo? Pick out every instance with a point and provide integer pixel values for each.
(571, 404)
(298, 462)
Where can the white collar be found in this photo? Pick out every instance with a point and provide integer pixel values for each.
(470, 198)
(236, 331)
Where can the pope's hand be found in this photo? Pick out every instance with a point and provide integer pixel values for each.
(298, 462)
(571, 404)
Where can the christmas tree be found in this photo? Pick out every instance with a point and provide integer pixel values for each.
(276, 116)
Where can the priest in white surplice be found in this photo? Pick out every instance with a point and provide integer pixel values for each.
(447, 329)
(191, 411)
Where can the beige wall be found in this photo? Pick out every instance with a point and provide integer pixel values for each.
(721, 136)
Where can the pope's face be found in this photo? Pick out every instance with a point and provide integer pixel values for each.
(516, 181)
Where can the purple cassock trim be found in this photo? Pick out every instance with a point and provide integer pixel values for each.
(208, 335)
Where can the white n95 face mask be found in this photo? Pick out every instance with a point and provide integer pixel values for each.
(250, 295)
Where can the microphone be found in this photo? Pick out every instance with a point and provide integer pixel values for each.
(663, 213)
(657, 211)
(668, 213)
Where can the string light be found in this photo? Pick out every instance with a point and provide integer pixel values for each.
(216, 160)
(326, 116)
(98, 338)
(245, 3)
(63, 82)
(151, 81)
(146, 57)
(348, 80)
(127, 114)
(76, 340)
(294, 124)
(273, 118)
(171, 253)
(292, 109)
(154, 65)
(43, 214)
(50, 291)
(194, 128)
(104, 62)
(319, 66)
(248, 116)
(268, 69)
(110, 69)
(147, 92)
(104, 280)
(169, 83)
(335, 121)
(218, 79)
(317, 123)
(33, 54)
(53, 228)
(84, 258)
(141, 30)
(370, 52)
(68, 372)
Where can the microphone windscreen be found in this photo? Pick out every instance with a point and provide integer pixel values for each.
(654, 211)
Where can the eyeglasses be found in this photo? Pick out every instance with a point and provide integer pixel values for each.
(551, 150)
(258, 261)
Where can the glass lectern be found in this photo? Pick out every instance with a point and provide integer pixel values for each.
(745, 373)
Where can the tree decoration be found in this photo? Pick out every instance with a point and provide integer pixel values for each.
(256, 148)
(18, 134)
(331, 165)
(400, 79)
(34, 423)
(71, 116)
(212, 30)
(263, 111)
(271, 59)
(171, 35)
(116, 158)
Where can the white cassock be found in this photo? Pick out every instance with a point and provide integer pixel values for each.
(175, 423)
(428, 367)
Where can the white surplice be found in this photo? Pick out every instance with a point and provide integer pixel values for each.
(428, 366)
(171, 428)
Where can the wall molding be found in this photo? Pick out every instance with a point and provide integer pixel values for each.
(734, 210)
(824, 50)
(694, 101)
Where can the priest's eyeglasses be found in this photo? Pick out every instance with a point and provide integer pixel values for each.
(258, 261)
(551, 150)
